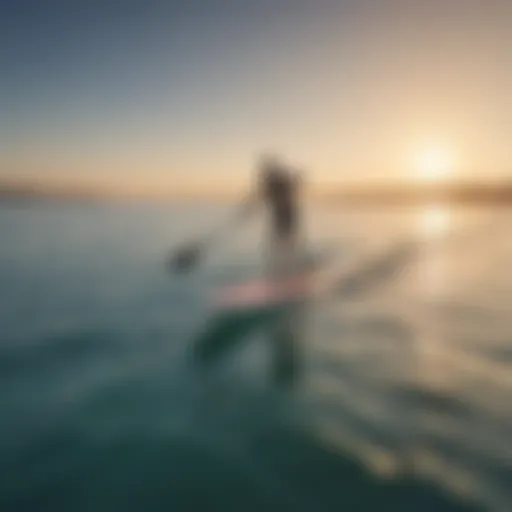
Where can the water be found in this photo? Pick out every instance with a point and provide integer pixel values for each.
(401, 401)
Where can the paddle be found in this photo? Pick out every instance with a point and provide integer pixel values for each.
(188, 256)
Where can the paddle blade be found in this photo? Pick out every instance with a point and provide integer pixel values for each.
(185, 259)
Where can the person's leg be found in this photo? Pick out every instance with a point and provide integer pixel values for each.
(286, 265)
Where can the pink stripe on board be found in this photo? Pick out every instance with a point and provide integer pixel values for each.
(259, 292)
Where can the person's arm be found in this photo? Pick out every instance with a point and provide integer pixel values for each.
(189, 254)
(248, 207)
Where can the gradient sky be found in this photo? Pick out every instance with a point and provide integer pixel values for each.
(155, 93)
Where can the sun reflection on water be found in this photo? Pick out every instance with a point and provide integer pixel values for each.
(433, 222)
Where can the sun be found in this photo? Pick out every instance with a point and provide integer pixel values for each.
(433, 164)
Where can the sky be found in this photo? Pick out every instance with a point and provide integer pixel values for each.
(156, 95)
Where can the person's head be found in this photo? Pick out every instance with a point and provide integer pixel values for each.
(269, 161)
(269, 166)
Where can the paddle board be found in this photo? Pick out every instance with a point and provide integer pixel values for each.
(242, 309)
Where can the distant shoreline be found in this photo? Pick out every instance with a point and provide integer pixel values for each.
(499, 194)
(410, 195)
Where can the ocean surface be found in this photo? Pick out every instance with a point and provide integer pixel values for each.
(395, 398)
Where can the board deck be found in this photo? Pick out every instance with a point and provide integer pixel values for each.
(263, 292)
(289, 286)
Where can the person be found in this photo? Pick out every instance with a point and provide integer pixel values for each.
(278, 190)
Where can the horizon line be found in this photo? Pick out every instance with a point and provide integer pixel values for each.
(373, 191)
